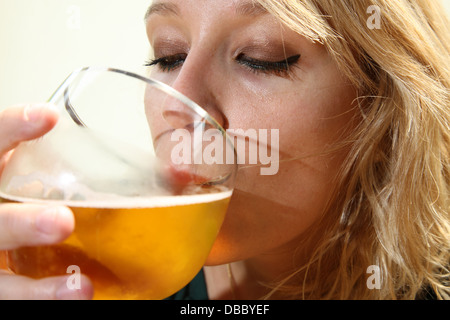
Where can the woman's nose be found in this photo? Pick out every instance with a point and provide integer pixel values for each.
(195, 81)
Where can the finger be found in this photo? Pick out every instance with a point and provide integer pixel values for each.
(14, 287)
(31, 225)
(22, 123)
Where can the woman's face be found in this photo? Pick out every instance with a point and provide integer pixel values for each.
(249, 72)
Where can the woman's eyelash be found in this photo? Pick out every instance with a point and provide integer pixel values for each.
(167, 63)
(281, 67)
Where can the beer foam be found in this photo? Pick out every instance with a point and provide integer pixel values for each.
(118, 202)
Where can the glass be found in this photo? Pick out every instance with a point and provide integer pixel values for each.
(147, 173)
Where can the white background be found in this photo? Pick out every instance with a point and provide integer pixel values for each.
(42, 41)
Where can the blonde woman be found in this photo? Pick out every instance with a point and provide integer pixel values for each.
(359, 92)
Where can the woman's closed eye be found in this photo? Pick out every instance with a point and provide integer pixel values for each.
(168, 63)
(279, 68)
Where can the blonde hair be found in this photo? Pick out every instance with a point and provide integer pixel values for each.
(393, 198)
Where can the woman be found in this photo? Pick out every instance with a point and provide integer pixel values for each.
(359, 93)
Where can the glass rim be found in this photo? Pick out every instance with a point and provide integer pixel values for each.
(62, 91)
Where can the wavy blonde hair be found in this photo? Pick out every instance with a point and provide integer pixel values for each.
(393, 200)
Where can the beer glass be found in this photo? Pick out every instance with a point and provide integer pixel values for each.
(148, 174)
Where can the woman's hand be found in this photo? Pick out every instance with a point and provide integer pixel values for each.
(29, 224)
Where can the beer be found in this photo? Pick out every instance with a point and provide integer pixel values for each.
(145, 249)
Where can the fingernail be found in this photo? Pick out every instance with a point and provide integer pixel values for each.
(35, 112)
(46, 221)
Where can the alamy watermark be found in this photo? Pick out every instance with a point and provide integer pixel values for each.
(73, 21)
(244, 147)
(74, 281)
(374, 21)
(374, 280)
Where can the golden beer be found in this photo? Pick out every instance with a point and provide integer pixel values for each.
(145, 249)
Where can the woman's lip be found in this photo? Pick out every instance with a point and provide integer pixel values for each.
(177, 179)
(183, 177)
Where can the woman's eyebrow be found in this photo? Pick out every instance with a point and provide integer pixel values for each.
(250, 9)
(162, 8)
(247, 8)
